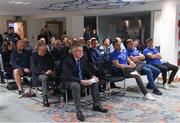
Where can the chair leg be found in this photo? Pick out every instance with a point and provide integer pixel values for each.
(124, 86)
(108, 90)
(86, 96)
(66, 94)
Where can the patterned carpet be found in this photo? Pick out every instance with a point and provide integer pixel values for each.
(129, 108)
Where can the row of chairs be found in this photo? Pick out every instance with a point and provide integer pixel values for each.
(106, 76)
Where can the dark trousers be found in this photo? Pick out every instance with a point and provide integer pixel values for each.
(76, 92)
(45, 80)
(164, 68)
(126, 73)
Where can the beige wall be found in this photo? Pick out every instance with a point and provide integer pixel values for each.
(33, 26)
(3, 23)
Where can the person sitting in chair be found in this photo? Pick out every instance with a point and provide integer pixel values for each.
(42, 70)
(75, 74)
(121, 62)
(153, 57)
(137, 57)
(20, 61)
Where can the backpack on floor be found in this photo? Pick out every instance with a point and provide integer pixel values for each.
(11, 86)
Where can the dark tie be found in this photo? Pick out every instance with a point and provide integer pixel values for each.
(79, 69)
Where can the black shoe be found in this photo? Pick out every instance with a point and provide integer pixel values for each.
(148, 86)
(100, 108)
(102, 90)
(80, 116)
(157, 91)
(2, 81)
(45, 101)
(113, 85)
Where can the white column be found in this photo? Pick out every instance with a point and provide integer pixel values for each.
(152, 24)
(166, 31)
(75, 26)
(156, 28)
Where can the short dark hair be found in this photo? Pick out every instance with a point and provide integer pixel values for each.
(11, 27)
(115, 42)
(129, 40)
(104, 40)
(148, 40)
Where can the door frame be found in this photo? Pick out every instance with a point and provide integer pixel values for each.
(23, 21)
(60, 25)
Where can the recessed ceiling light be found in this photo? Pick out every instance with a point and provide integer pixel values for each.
(19, 3)
(133, 0)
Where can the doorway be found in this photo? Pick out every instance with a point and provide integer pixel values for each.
(56, 28)
(20, 27)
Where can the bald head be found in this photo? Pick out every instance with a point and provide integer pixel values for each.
(20, 46)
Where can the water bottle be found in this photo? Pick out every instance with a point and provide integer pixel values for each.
(61, 101)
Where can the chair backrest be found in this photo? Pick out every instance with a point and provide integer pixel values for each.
(104, 69)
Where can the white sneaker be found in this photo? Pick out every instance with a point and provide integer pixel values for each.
(149, 97)
(166, 86)
(20, 93)
(38, 91)
(134, 73)
(172, 85)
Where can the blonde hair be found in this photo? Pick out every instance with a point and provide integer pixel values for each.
(56, 42)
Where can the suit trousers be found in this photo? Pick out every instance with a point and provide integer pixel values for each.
(76, 93)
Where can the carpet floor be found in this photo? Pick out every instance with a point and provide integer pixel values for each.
(129, 108)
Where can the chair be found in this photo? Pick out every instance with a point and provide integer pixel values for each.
(106, 74)
(64, 92)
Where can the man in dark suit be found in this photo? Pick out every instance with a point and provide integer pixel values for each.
(75, 73)
(42, 70)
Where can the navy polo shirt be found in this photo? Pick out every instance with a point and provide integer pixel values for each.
(152, 51)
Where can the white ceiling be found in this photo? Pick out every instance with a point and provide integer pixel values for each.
(39, 7)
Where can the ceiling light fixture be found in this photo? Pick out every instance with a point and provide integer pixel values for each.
(133, 0)
(18, 2)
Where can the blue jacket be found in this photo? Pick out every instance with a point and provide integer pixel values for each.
(20, 61)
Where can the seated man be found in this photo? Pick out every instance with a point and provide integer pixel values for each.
(137, 57)
(20, 62)
(75, 73)
(95, 54)
(97, 58)
(153, 57)
(42, 70)
(121, 61)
